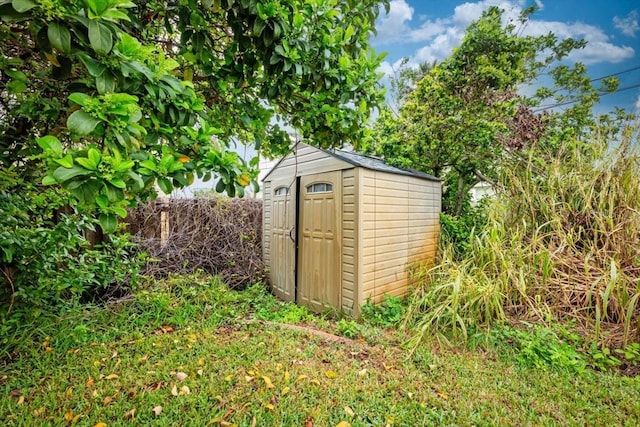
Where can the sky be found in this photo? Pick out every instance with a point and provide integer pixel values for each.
(428, 30)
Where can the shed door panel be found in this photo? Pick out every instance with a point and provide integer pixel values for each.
(319, 263)
(282, 240)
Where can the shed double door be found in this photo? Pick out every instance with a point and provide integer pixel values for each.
(305, 238)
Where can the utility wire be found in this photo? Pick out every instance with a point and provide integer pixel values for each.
(576, 100)
(591, 81)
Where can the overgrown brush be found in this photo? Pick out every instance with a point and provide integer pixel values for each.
(216, 235)
(562, 241)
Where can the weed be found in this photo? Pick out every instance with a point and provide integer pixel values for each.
(386, 314)
(349, 328)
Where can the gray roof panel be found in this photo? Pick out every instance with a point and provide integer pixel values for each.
(376, 163)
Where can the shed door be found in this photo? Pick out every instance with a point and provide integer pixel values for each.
(283, 237)
(319, 262)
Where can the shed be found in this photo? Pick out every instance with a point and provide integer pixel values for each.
(340, 228)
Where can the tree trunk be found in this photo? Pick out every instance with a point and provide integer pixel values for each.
(459, 196)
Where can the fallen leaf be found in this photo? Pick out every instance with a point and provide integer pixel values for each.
(267, 382)
(254, 421)
(362, 372)
(388, 367)
(247, 378)
(130, 415)
(76, 419)
(96, 363)
(174, 390)
(301, 377)
(349, 411)
(229, 377)
(157, 410)
(200, 372)
(100, 425)
(279, 367)
(269, 406)
(343, 424)
(107, 400)
(15, 393)
(20, 400)
(112, 377)
(184, 390)
(181, 376)
(287, 376)
(331, 374)
(315, 381)
(284, 391)
(40, 411)
(89, 382)
(68, 415)
(442, 395)
(200, 362)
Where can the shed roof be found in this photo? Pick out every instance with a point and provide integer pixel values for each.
(376, 163)
(367, 162)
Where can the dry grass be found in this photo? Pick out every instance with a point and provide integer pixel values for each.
(562, 243)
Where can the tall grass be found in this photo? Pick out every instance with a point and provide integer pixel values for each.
(562, 242)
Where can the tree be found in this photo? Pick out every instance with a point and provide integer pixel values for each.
(107, 98)
(466, 116)
(103, 101)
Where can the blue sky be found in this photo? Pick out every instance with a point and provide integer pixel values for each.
(427, 30)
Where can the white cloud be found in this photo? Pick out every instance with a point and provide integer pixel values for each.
(628, 25)
(440, 36)
(393, 27)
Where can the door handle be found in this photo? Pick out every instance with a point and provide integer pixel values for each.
(291, 234)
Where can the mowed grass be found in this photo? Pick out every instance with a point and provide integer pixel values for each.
(188, 351)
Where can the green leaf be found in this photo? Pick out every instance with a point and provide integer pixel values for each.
(66, 161)
(82, 122)
(79, 98)
(102, 201)
(63, 174)
(108, 222)
(23, 5)
(117, 182)
(105, 83)
(115, 15)
(86, 163)
(100, 37)
(115, 194)
(165, 185)
(49, 180)
(121, 212)
(59, 37)
(50, 142)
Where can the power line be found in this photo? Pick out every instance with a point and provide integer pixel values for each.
(590, 81)
(576, 100)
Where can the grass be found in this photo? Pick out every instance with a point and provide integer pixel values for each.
(560, 244)
(115, 365)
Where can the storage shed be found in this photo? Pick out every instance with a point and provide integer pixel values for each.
(340, 228)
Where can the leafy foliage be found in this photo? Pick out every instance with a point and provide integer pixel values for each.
(464, 118)
(103, 102)
(116, 96)
(387, 314)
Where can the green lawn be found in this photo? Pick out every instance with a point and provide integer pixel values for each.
(198, 354)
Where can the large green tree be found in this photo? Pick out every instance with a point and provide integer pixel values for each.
(106, 98)
(465, 115)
